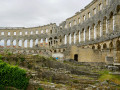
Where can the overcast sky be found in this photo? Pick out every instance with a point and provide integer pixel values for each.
(31, 13)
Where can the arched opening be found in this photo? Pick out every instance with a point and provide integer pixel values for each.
(111, 22)
(31, 43)
(65, 39)
(50, 31)
(118, 45)
(93, 47)
(94, 27)
(76, 57)
(74, 37)
(8, 43)
(104, 46)
(100, 32)
(46, 41)
(25, 43)
(14, 43)
(87, 33)
(41, 42)
(55, 51)
(105, 26)
(82, 35)
(2, 43)
(111, 45)
(118, 8)
(59, 50)
(20, 43)
(55, 39)
(99, 47)
(50, 41)
(36, 42)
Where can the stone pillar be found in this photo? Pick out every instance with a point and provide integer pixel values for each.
(87, 34)
(72, 38)
(41, 42)
(67, 39)
(44, 42)
(33, 43)
(64, 39)
(82, 36)
(101, 29)
(97, 31)
(79, 36)
(104, 27)
(70, 41)
(23, 43)
(59, 41)
(28, 43)
(117, 21)
(107, 26)
(17, 43)
(5, 43)
(92, 33)
(11, 43)
(111, 24)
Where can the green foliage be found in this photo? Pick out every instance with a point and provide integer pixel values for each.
(12, 76)
(0, 57)
(104, 72)
(40, 88)
(2, 87)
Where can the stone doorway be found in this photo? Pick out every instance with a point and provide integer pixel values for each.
(76, 57)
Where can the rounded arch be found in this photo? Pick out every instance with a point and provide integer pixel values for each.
(104, 46)
(14, 42)
(8, 42)
(111, 14)
(55, 37)
(63, 50)
(2, 43)
(50, 38)
(118, 45)
(93, 47)
(36, 42)
(55, 51)
(118, 9)
(111, 45)
(98, 47)
(20, 43)
(25, 43)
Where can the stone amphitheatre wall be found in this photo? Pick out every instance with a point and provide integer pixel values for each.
(90, 35)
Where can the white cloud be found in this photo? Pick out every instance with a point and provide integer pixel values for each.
(37, 12)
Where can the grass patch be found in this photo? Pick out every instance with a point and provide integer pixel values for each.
(106, 76)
